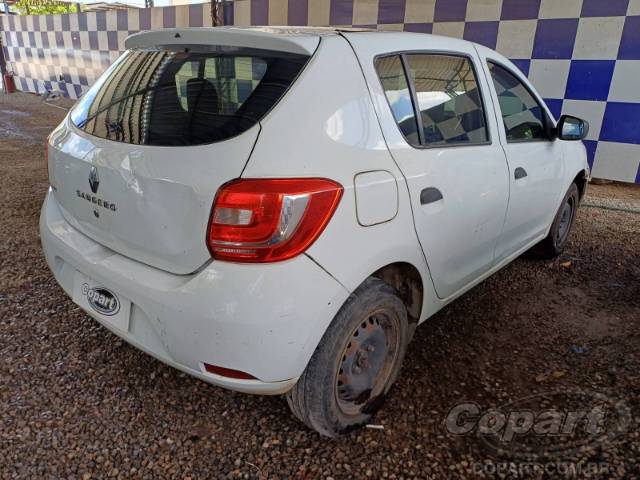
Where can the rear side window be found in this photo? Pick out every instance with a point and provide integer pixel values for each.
(523, 117)
(440, 98)
(185, 97)
(396, 88)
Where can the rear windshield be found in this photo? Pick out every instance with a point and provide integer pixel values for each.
(185, 97)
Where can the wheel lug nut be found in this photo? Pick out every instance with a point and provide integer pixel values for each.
(370, 348)
(356, 369)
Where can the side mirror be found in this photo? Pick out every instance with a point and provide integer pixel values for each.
(572, 128)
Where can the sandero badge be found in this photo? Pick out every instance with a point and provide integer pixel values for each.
(101, 299)
(94, 184)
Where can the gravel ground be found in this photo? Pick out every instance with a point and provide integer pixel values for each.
(77, 402)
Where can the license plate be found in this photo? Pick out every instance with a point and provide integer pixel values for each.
(102, 302)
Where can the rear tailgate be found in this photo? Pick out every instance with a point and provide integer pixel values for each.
(150, 204)
(137, 163)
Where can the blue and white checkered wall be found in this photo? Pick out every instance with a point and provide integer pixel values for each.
(582, 55)
(67, 53)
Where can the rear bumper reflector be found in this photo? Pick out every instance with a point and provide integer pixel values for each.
(228, 372)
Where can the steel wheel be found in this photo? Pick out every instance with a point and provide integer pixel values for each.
(367, 362)
(563, 221)
(356, 362)
(566, 218)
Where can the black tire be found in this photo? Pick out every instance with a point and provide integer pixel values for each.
(554, 243)
(331, 396)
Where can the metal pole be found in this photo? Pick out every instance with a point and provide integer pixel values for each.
(3, 66)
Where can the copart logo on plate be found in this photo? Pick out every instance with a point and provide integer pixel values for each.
(102, 300)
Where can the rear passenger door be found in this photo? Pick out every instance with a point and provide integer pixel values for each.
(451, 158)
(535, 159)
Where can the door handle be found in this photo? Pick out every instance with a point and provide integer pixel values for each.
(519, 173)
(430, 195)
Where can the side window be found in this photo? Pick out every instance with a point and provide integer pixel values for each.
(523, 117)
(394, 83)
(449, 101)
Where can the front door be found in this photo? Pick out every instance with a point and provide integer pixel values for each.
(535, 160)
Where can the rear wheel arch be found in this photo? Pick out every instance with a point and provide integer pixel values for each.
(406, 279)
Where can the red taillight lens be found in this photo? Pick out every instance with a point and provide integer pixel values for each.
(268, 220)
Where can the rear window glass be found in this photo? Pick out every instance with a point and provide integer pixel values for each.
(185, 97)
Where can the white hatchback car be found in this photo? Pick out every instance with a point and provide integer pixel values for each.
(275, 210)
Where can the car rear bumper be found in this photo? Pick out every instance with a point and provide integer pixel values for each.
(265, 320)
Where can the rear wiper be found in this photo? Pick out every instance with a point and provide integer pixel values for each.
(115, 102)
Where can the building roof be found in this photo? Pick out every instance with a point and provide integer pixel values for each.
(99, 6)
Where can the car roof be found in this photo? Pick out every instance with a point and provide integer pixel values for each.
(391, 41)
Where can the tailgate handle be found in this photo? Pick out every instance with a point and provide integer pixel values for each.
(430, 195)
(519, 173)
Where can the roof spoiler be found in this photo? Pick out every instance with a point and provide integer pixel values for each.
(265, 39)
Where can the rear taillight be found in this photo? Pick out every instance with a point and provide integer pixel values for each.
(268, 220)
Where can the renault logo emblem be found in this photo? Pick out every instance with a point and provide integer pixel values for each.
(98, 202)
(94, 180)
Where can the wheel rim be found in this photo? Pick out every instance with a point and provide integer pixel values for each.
(367, 362)
(565, 222)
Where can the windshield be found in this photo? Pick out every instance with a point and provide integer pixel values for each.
(185, 97)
